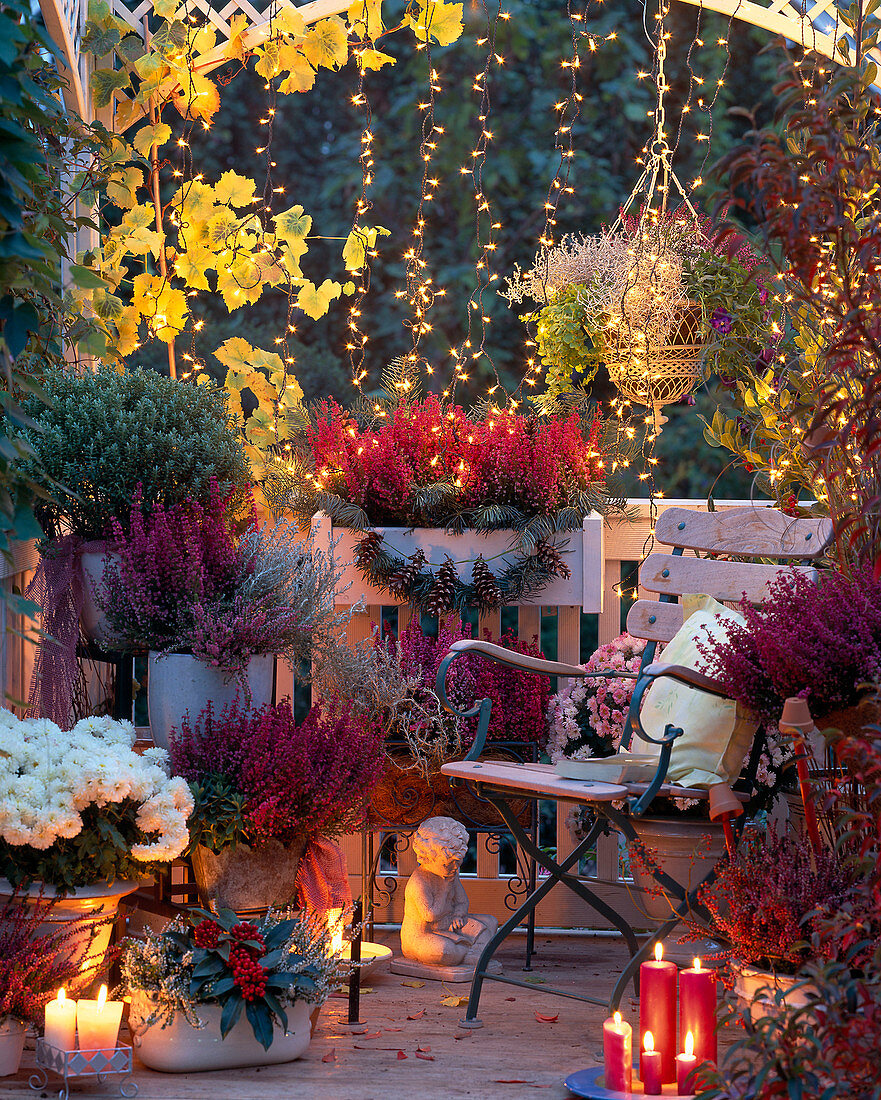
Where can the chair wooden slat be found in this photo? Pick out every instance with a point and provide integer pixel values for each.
(749, 532)
(670, 574)
(654, 621)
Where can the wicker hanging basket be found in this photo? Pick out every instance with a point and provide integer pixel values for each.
(655, 372)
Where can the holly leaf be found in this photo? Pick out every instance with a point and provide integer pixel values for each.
(105, 82)
(368, 58)
(235, 190)
(440, 21)
(123, 185)
(327, 44)
(301, 75)
(148, 136)
(315, 301)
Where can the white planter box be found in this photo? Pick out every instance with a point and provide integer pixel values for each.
(583, 554)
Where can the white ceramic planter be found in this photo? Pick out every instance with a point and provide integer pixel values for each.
(11, 1045)
(97, 903)
(181, 1048)
(761, 986)
(178, 684)
(687, 851)
(92, 619)
(583, 554)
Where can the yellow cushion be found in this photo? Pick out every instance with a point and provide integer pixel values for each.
(717, 733)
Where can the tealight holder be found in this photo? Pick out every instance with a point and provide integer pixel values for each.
(68, 1064)
(589, 1083)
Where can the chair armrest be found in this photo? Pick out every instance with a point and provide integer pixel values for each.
(687, 676)
(526, 663)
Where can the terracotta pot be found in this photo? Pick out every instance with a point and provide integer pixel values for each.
(97, 902)
(248, 879)
(178, 684)
(687, 850)
(93, 620)
(182, 1048)
(12, 1034)
(761, 987)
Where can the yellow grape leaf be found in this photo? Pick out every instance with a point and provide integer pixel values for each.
(122, 187)
(127, 112)
(196, 202)
(454, 1001)
(163, 306)
(235, 46)
(373, 59)
(327, 43)
(238, 355)
(357, 243)
(222, 227)
(292, 227)
(204, 39)
(315, 301)
(152, 70)
(148, 136)
(166, 9)
(289, 21)
(192, 273)
(439, 20)
(365, 19)
(239, 284)
(234, 189)
(198, 97)
(267, 59)
(127, 327)
(143, 241)
(139, 217)
(302, 75)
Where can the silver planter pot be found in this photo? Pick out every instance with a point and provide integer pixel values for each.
(247, 879)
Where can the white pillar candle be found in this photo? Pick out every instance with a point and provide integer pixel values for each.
(60, 1029)
(97, 1023)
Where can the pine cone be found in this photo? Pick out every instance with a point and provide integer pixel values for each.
(401, 581)
(550, 559)
(487, 595)
(440, 598)
(367, 549)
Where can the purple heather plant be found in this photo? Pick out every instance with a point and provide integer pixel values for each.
(819, 640)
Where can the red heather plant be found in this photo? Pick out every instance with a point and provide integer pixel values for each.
(519, 699)
(259, 775)
(35, 963)
(766, 904)
(820, 640)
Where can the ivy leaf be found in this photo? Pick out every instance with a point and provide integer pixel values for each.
(440, 21)
(327, 44)
(99, 40)
(301, 75)
(123, 185)
(105, 82)
(315, 301)
(148, 136)
(235, 190)
(369, 58)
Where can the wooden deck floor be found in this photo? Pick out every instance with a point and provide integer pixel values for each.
(513, 1055)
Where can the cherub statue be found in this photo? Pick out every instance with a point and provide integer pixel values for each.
(437, 929)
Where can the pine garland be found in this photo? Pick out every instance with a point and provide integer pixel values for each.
(438, 592)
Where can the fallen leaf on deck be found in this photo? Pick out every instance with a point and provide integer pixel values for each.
(424, 1057)
(417, 1015)
(425, 1050)
(394, 1029)
(464, 1035)
(367, 989)
(511, 1081)
(372, 1035)
(413, 985)
(330, 1056)
(510, 998)
(547, 1019)
(401, 1055)
(535, 981)
(454, 1002)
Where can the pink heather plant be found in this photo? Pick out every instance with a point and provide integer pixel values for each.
(587, 717)
(818, 640)
(277, 779)
(519, 699)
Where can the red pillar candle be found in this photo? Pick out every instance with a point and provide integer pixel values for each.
(650, 1066)
(686, 1063)
(618, 1054)
(697, 1010)
(657, 1011)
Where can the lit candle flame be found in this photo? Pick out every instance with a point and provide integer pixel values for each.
(617, 1019)
(102, 997)
(689, 1044)
(335, 928)
(648, 1041)
(697, 963)
(659, 952)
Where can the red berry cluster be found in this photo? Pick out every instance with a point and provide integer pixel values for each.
(790, 506)
(205, 934)
(247, 972)
(246, 931)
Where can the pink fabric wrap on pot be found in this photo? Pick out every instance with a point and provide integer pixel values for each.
(323, 879)
(58, 589)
